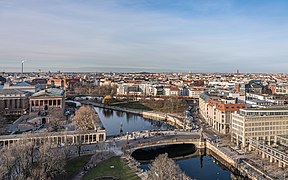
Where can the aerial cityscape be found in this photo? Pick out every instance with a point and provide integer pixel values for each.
(150, 90)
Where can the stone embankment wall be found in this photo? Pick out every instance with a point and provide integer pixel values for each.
(227, 161)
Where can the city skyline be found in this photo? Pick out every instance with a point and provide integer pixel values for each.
(154, 36)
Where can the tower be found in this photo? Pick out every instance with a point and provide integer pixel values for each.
(22, 67)
(190, 74)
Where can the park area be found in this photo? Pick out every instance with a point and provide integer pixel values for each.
(75, 165)
(111, 168)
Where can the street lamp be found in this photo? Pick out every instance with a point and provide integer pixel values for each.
(127, 142)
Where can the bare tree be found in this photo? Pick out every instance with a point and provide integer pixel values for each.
(50, 162)
(85, 118)
(96, 90)
(31, 161)
(165, 168)
(57, 118)
(3, 125)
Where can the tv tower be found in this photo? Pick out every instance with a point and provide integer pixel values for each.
(22, 70)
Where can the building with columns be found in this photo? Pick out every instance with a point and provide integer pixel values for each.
(259, 124)
(13, 102)
(48, 99)
(56, 138)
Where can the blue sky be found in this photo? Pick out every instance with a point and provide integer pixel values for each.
(144, 35)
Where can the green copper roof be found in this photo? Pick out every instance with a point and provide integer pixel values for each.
(50, 92)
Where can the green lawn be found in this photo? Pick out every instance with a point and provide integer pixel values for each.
(120, 170)
(75, 165)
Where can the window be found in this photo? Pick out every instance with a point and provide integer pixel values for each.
(15, 103)
(21, 103)
(5, 104)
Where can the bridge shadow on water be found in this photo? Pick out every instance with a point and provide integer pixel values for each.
(176, 151)
(188, 157)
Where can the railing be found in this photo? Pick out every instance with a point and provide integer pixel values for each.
(165, 142)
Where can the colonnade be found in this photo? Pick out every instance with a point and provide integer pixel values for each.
(65, 138)
(39, 104)
(274, 155)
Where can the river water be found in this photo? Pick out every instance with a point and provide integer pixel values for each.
(196, 167)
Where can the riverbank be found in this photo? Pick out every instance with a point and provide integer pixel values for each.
(234, 162)
(172, 120)
(221, 151)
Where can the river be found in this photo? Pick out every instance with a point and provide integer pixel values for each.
(196, 167)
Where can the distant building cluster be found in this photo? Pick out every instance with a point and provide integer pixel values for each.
(245, 106)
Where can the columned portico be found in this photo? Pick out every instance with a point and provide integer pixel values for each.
(67, 138)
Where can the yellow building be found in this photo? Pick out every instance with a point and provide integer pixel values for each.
(259, 124)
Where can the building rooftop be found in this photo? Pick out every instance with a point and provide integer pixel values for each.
(271, 108)
(6, 92)
(25, 83)
(50, 92)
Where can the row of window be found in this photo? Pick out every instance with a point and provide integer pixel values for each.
(266, 128)
(265, 133)
(267, 123)
(272, 113)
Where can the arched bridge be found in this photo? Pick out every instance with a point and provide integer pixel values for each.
(167, 138)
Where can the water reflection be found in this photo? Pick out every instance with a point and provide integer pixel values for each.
(196, 167)
(112, 121)
(177, 151)
(188, 159)
(119, 113)
(107, 113)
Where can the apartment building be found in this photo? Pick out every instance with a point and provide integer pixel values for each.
(63, 83)
(195, 92)
(281, 89)
(217, 111)
(259, 124)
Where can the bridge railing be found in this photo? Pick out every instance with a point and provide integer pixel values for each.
(163, 142)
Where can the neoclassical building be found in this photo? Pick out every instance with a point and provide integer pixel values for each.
(13, 102)
(48, 99)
